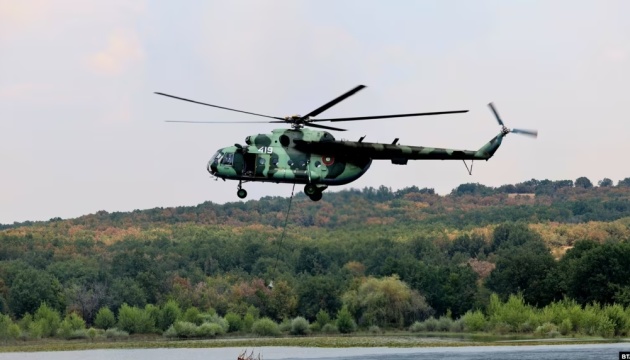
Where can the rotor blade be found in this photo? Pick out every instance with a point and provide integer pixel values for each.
(533, 133)
(224, 122)
(219, 107)
(334, 102)
(496, 114)
(323, 127)
(391, 116)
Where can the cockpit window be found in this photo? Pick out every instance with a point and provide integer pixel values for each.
(228, 159)
(216, 157)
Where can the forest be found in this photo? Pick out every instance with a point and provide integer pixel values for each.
(543, 257)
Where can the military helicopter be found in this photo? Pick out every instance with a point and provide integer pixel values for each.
(314, 158)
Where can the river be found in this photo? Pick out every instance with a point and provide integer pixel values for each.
(533, 352)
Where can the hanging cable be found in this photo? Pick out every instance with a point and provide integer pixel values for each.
(284, 229)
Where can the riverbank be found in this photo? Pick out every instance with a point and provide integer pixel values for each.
(362, 340)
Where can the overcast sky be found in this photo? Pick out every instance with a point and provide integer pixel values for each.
(82, 131)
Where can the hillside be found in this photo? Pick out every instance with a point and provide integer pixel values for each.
(447, 253)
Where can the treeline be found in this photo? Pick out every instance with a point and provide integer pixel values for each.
(467, 205)
(382, 282)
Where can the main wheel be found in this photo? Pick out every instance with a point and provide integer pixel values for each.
(310, 189)
(241, 193)
(316, 197)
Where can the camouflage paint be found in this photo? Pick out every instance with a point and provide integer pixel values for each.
(306, 156)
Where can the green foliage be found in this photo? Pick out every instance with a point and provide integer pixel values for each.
(374, 330)
(185, 329)
(192, 315)
(169, 314)
(444, 323)
(5, 325)
(248, 322)
(70, 326)
(30, 288)
(300, 326)
(418, 326)
(209, 330)
(344, 322)
(386, 302)
(265, 327)
(105, 318)
(431, 324)
(48, 319)
(235, 322)
(322, 318)
(91, 333)
(583, 182)
(115, 333)
(135, 320)
(474, 321)
(330, 329)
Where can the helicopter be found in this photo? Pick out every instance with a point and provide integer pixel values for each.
(299, 155)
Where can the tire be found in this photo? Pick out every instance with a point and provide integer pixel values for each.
(310, 189)
(316, 197)
(241, 193)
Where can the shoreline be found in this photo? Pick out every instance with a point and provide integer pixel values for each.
(360, 341)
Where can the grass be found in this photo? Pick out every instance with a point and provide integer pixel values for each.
(400, 340)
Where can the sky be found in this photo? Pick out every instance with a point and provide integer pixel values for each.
(82, 131)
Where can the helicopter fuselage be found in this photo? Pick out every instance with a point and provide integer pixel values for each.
(277, 157)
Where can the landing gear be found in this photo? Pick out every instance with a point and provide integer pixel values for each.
(317, 196)
(241, 193)
(310, 190)
(314, 192)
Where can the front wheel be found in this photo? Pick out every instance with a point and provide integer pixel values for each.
(241, 193)
(310, 189)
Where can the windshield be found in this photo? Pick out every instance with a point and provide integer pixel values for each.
(216, 157)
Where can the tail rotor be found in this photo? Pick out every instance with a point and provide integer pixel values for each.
(532, 133)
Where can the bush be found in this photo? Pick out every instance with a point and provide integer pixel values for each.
(78, 334)
(300, 326)
(565, 327)
(265, 327)
(185, 329)
(135, 320)
(546, 330)
(209, 330)
(322, 318)
(235, 322)
(606, 327)
(444, 324)
(49, 320)
(345, 322)
(73, 322)
(285, 325)
(14, 331)
(91, 332)
(36, 330)
(248, 321)
(431, 324)
(330, 329)
(474, 321)
(170, 332)
(105, 319)
(457, 326)
(192, 315)
(374, 330)
(169, 314)
(418, 327)
(114, 333)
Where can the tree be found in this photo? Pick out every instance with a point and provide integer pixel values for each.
(523, 269)
(624, 183)
(345, 323)
(105, 319)
(605, 182)
(33, 287)
(386, 302)
(583, 182)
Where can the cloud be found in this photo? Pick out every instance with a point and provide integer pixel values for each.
(123, 50)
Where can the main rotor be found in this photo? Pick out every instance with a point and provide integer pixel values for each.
(299, 121)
